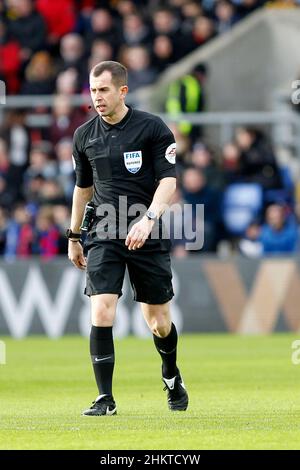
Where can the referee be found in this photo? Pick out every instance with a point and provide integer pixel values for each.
(127, 154)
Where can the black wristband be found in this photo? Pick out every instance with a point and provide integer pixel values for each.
(75, 236)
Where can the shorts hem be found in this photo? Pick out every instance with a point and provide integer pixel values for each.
(148, 301)
(101, 291)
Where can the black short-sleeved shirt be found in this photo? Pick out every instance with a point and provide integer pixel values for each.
(124, 159)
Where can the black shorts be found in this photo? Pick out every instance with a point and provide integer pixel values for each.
(149, 270)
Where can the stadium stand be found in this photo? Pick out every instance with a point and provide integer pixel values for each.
(45, 53)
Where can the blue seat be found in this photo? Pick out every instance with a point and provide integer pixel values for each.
(242, 203)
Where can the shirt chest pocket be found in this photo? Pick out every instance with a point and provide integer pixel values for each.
(100, 162)
(132, 158)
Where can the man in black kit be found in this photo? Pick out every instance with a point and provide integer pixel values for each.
(124, 153)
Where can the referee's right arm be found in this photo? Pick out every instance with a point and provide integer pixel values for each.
(80, 197)
(75, 251)
(83, 193)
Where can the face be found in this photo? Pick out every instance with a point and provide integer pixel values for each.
(137, 58)
(244, 138)
(275, 216)
(193, 180)
(162, 46)
(108, 99)
(230, 152)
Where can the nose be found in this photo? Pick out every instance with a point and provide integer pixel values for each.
(97, 96)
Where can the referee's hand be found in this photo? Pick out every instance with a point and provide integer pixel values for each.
(75, 254)
(139, 233)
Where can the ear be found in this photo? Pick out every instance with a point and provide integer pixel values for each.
(124, 90)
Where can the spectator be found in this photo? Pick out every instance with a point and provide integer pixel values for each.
(140, 72)
(68, 82)
(19, 236)
(102, 50)
(225, 14)
(40, 162)
(32, 190)
(65, 119)
(163, 53)
(51, 193)
(183, 146)
(61, 217)
(201, 158)
(230, 161)
(187, 95)
(9, 175)
(103, 27)
(72, 55)
(66, 177)
(39, 75)
(279, 234)
(28, 27)
(46, 241)
(135, 31)
(196, 192)
(16, 134)
(203, 31)
(257, 161)
(165, 22)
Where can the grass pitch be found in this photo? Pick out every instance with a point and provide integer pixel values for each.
(244, 394)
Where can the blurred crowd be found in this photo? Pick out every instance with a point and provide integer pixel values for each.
(250, 201)
(46, 47)
(43, 51)
(37, 181)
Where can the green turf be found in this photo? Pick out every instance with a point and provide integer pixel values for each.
(244, 394)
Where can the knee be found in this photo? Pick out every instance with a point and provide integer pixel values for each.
(160, 326)
(102, 314)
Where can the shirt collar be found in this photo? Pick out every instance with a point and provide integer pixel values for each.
(119, 125)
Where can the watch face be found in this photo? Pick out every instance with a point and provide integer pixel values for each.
(151, 215)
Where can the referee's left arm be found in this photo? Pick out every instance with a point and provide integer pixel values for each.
(161, 200)
(163, 195)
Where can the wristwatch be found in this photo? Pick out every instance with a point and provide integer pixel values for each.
(151, 216)
(73, 236)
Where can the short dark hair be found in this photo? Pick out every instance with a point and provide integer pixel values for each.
(117, 70)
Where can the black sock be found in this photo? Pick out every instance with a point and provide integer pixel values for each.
(103, 357)
(167, 348)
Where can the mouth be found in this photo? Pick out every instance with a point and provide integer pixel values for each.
(101, 107)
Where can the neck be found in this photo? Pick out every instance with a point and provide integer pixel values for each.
(117, 116)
